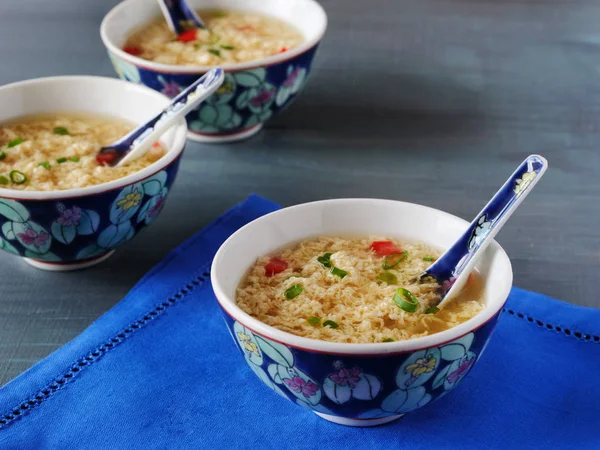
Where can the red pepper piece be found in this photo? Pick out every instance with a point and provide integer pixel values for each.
(135, 51)
(283, 49)
(385, 248)
(106, 158)
(275, 266)
(187, 36)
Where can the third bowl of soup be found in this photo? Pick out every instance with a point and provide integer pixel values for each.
(266, 48)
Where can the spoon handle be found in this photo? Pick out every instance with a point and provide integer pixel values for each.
(179, 16)
(142, 138)
(460, 257)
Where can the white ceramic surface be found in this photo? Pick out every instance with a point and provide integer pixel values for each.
(401, 220)
(222, 139)
(306, 15)
(359, 423)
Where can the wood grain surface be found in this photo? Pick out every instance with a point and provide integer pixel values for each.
(434, 102)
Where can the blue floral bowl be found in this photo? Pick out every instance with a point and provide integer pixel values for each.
(252, 92)
(357, 384)
(76, 228)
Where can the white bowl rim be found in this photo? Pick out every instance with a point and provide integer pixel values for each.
(146, 172)
(371, 349)
(170, 68)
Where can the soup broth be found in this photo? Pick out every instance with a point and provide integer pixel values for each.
(231, 37)
(58, 151)
(343, 290)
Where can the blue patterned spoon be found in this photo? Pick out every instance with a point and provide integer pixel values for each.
(179, 16)
(452, 269)
(140, 140)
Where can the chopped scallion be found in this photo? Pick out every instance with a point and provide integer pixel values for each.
(388, 340)
(3, 179)
(61, 131)
(293, 291)
(405, 300)
(394, 259)
(428, 258)
(215, 52)
(325, 260)
(45, 165)
(61, 160)
(313, 320)
(432, 310)
(2, 155)
(227, 47)
(17, 177)
(330, 323)
(15, 142)
(74, 158)
(389, 278)
(338, 272)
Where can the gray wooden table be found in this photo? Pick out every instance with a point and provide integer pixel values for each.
(427, 101)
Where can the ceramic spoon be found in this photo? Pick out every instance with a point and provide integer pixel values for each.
(452, 269)
(179, 16)
(140, 140)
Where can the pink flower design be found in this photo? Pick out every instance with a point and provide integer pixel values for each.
(171, 89)
(297, 384)
(291, 79)
(31, 237)
(262, 97)
(448, 284)
(156, 208)
(346, 377)
(69, 217)
(463, 368)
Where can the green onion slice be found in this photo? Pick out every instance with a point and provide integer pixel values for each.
(61, 131)
(393, 260)
(45, 165)
(389, 278)
(293, 291)
(325, 260)
(74, 158)
(3, 179)
(429, 258)
(338, 272)
(404, 299)
(432, 310)
(61, 160)
(388, 340)
(330, 323)
(215, 52)
(2, 155)
(227, 47)
(17, 177)
(313, 320)
(15, 142)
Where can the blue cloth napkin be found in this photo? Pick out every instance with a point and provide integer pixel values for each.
(159, 371)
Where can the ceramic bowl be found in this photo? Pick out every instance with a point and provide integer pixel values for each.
(252, 92)
(357, 384)
(76, 228)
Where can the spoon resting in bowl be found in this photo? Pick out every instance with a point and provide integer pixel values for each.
(453, 268)
(180, 16)
(140, 140)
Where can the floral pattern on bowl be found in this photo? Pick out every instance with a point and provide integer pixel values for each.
(246, 99)
(361, 387)
(71, 229)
